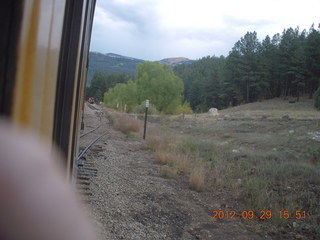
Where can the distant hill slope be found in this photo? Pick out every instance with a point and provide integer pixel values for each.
(115, 63)
(176, 61)
(111, 63)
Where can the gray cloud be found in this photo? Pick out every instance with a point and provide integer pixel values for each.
(142, 16)
(141, 36)
(138, 29)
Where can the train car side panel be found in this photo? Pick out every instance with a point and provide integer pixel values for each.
(37, 66)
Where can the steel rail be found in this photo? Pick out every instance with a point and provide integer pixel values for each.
(92, 107)
(82, 135)
(100, 113)
(87, 148)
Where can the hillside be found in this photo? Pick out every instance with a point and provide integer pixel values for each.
(111, 63)
(115, 63)
(176, 61)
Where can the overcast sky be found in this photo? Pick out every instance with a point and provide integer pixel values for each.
(157, 29)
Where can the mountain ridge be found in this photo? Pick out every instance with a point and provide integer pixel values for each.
(116, 63)
(173, 61)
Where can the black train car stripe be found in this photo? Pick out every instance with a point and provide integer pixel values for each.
(10, 23)
(66, 75)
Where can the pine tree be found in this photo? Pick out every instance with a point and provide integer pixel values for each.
(313, 59)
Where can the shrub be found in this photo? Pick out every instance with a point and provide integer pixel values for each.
(126, 124)
(317, 99)
(185, 108)
(313, 154)
(142, 108)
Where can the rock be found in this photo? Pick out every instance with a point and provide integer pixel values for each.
(223, 205)
(226, 117)
(286, 116)
(247, 116)
(253, 171)
(223, 143)
(213, 112)
(272, 156)
(235, 151)
(264, 117)
(288, 155)
(314, 135)
(298, 236)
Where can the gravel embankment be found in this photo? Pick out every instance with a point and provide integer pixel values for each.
(129, 199)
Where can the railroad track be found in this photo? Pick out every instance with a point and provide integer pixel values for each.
(100, 114)
(86, 133)
(85, 167)
(92, 107)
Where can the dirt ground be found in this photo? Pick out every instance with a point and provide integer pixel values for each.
(128, 198)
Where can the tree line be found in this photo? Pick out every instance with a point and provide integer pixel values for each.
(286, 65)
(155, 82)
(102, 82)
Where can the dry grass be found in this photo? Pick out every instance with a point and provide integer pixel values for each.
(175, 152)
(184, 162)
(170, 151)
(175, 158)
(162, 157)
(126, 124)
(169, 172)
(197, 178)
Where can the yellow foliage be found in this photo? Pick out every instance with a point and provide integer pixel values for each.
(185, 108)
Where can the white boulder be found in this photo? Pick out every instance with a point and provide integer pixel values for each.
(213, 112)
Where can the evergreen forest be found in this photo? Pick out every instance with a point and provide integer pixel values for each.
(286, 65)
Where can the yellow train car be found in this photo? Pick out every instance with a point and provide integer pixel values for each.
(44, 48)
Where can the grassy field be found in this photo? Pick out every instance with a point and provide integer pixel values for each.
(266, 154)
